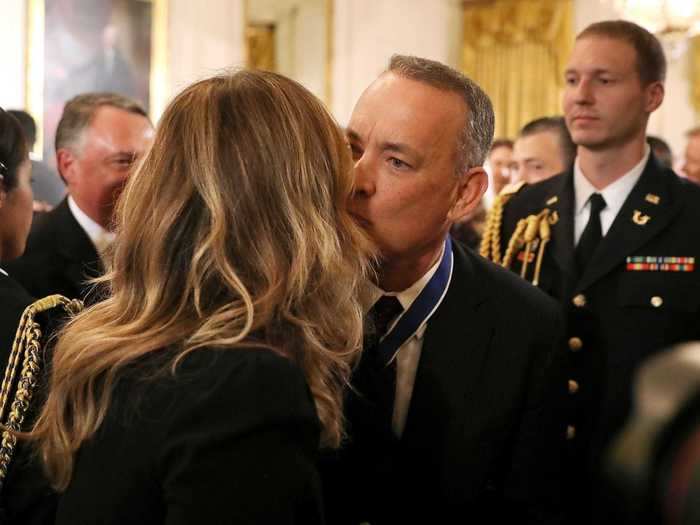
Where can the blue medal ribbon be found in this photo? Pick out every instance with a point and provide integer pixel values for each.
(421, 309)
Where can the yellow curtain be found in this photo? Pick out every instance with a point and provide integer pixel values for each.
(260, 39)
(516, 50)
(694, 73)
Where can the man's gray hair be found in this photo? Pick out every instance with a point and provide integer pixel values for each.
(80, 110)
(475, 141)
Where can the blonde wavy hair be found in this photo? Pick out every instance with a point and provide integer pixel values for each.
(233, 225)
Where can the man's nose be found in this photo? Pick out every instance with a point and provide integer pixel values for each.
(583, 94)
(363, 177)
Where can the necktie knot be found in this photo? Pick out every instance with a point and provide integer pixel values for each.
(384, 311)
(597, 203)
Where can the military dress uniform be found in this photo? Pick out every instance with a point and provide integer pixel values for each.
(638, 295)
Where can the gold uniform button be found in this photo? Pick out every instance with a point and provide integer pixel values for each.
(656, 301)
(570, 432)
(573, 386)
(575, 344)
(579, 300)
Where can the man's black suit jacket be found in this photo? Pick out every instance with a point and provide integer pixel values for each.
(620, 315)
(59, 257)
(484, 431)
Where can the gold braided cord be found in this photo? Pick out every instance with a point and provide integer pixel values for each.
(514, 243)
(27, 348)
(491, 241)
(531, 231)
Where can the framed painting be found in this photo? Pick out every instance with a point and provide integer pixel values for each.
(79, 46)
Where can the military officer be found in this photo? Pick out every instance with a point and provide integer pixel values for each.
(614, 239)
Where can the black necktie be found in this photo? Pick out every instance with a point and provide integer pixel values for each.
(592, 234)
(375, 379)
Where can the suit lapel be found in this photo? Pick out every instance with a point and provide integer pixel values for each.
(74, 245)
(626, 235)
(454, 350)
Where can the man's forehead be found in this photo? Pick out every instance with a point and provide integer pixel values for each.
(404, 109)
(598, 53)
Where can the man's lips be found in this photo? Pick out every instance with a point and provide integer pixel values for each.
(584, 118)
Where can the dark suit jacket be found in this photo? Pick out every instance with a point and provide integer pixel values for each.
(26, 497)
(628, 315)
(484, 432)
(231, 439)
(14, 299)
(59, 257)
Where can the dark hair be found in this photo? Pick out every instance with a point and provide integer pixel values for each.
(661, 150)
(14, 149)
(651, 61)
(501, 143)
(475, 141)
(554, 125)
(28, 124)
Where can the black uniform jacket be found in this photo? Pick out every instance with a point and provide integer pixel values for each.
(483, 434)
(232, 438)
(59, 257)
(622, 309)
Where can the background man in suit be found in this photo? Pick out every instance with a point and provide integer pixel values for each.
(455, 401)
(625, 234)
(99, 137)
(543, 149)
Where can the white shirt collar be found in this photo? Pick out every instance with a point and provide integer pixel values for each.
(96, 232)
(3, 272)
(407, 296)
(614, 194)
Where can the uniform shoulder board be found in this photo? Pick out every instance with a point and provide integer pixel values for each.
(512, 188)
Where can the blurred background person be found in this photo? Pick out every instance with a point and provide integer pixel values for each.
(498, 164)
(661, 150)
(99, 138)
(49, 189)
(543, 149)
(691, 162)
(200, 390)
(15, 220)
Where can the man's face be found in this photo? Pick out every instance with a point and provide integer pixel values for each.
(97, 168)
(605, 104)
(501, 160)
(691, 166)
(538, 157)
(404, 137)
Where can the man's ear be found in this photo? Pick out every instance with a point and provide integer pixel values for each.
(470, 188)
(66, 164)
(655, 96)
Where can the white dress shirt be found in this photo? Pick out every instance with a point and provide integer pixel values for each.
(409, 353)
(614, 194)
(100, 237)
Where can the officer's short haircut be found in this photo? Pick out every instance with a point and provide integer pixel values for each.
(502, 143)
(555, 125)
(651, 61)
(475, 141)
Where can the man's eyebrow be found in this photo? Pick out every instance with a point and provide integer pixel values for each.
(123, 154)
(596, 71)
(399, 147)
